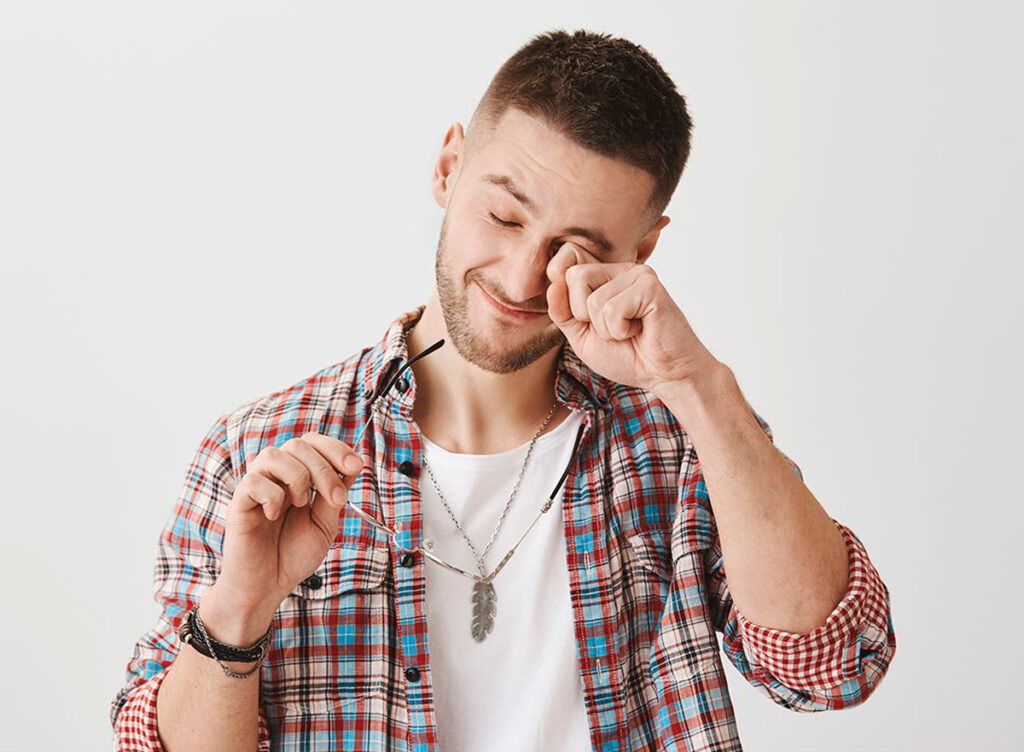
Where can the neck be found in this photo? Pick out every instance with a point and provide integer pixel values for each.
(466, 409)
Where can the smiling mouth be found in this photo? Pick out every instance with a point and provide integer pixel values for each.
(510, 312)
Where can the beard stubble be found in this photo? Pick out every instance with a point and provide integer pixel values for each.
(483, 352)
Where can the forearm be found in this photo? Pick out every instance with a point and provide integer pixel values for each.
(785, 560)
(198, 707)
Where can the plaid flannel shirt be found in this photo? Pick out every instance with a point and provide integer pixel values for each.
(648, 587)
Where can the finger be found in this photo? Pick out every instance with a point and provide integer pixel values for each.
(570, 254)
(585, 277)
(559, 305)
(291, 474)
(587, 283)
(595, 315)
(324, 477)
(582, 280)
(597, 301)
(561, 314)
(567, 255)
(259, 491)
(624, 311)
(343, 458)
(344, 461)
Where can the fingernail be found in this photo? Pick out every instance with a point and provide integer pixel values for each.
(353, 463)
(339, 497)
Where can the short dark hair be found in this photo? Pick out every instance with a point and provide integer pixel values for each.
(606, 93)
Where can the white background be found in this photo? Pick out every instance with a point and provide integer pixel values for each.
(204, 203)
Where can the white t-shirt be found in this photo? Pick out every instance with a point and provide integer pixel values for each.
(519, 689)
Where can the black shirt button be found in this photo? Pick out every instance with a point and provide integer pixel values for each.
(407, 559)
(402, 384)
(412, 674)
(313, 581)
(407, 468)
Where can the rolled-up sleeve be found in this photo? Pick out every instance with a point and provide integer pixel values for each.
(848, 653)
(135, 727)
(838, 664)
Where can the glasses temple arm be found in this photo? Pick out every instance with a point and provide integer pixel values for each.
(391, 382)
(413, 359)
(575, 448)
(544, 508)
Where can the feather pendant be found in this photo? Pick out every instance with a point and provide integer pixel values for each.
(484, 608)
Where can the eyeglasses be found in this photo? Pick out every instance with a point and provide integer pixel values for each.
(393, 534)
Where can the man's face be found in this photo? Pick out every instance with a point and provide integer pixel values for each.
(522, 191)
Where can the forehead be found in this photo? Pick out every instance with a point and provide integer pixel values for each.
(560, 176)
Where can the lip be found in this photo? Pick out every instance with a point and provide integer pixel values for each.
(510, 312)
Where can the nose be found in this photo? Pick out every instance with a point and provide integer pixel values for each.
(524, 279)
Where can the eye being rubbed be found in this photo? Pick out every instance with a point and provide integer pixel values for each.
(503, 222)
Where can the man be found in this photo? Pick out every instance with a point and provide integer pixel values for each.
(379, 546)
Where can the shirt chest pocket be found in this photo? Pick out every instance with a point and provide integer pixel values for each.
(649, 574)
(331, 633)
(643, 584)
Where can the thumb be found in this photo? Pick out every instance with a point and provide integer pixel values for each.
(560, 312)
(329, 510)
(559, 309)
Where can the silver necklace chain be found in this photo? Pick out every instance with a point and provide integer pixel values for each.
(483, 590)
(481, 556)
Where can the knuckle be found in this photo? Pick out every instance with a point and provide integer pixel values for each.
(275, 494)
(304, 478)
(325, 475)
(247, 481)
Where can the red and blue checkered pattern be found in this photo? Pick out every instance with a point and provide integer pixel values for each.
(648, 588)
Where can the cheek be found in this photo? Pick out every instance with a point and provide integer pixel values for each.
(472, 244)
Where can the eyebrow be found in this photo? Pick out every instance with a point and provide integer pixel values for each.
(594, 236)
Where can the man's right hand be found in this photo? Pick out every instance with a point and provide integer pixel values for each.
(274, 538)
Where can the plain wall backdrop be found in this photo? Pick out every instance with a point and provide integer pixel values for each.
(204, 203)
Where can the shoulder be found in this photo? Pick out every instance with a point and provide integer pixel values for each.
(306, 405)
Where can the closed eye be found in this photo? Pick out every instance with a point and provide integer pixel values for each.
(503, 222)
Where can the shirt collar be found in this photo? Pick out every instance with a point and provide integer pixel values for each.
(576, 384)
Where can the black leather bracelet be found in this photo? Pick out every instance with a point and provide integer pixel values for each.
(188, 633)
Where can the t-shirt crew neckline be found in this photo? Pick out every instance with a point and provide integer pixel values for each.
(545, 441)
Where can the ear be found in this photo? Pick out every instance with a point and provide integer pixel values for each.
(646, 246)
(447, 168)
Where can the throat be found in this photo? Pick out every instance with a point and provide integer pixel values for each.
(489, 437)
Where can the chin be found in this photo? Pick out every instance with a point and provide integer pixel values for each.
(504, 346)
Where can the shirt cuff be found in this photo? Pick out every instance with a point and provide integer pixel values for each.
(136, 729)
(831, 653)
